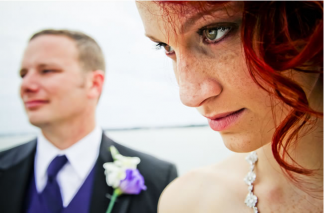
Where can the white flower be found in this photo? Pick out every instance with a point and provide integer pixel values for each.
(122, 161)
(115, 172)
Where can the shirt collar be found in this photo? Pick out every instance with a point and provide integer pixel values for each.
(81, 156)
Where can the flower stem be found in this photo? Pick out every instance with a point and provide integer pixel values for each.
(116, 193)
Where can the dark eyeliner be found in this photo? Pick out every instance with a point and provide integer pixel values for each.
(159, 45)
(232, 29)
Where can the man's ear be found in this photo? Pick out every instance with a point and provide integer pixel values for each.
(96, 84)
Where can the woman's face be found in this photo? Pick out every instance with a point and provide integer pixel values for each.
(211, 72)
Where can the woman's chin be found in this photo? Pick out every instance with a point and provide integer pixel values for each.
(241, 144)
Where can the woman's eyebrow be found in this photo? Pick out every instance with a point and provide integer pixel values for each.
(189, 22)
(192, 20)
(152, 38)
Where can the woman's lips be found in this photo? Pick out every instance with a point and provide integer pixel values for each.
(34, 104)
(224, 120)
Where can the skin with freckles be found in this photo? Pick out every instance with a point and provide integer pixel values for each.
(214, 79)
(211, 71)
(59, 96)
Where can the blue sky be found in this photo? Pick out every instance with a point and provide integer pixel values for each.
(140, 88)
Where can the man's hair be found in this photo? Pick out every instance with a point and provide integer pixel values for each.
(90, 54)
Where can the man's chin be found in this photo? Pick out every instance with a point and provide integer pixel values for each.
(38, 124)
(39, 121)
(38, 118)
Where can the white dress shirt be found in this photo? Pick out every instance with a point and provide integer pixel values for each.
(81, 156)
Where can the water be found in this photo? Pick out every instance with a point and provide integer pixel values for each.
(188, 148)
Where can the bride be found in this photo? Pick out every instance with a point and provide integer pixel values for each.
(255, 71)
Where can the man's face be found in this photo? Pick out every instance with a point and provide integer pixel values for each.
(53, 87)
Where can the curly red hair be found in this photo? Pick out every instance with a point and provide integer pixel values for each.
(293, 40)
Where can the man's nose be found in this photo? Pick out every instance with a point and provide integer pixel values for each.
(30, 83)
(195, 80)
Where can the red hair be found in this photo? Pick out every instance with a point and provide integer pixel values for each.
(292, 40)
(276, 37)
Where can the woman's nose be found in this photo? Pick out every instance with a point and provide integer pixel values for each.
(196, 84)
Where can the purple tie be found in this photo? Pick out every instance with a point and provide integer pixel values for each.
(51, 193)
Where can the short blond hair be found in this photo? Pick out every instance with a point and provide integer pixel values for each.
(91, 56)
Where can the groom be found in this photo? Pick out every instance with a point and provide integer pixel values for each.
(62, 170)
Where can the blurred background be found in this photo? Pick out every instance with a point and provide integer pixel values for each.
(139, 107)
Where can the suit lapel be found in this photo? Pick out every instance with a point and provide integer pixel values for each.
(99, 200)
(16, 171)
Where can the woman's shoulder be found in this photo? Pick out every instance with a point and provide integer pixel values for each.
(208, 189)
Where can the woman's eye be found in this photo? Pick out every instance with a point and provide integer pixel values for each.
(168, 49)
(214, 35)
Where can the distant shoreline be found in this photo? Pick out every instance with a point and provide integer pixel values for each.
(189, 147)
(115, 129)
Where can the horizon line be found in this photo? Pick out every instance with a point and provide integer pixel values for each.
(118, 129)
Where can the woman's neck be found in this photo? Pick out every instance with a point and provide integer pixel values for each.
(274, 183)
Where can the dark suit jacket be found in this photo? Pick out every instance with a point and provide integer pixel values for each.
(17, 166)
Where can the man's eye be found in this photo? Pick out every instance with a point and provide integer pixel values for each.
(47, 71)
(214, 35)
(168, 49)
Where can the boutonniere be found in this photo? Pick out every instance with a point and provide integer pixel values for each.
(123, 176)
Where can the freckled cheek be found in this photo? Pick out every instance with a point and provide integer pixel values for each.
(232, 70)
(224, 69)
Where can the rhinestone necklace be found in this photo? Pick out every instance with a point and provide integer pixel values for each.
(251, 199)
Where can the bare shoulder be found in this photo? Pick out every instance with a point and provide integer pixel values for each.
(209, 189)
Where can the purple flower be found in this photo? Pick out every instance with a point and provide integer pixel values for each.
(133, 182)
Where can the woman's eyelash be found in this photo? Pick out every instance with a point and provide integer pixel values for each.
(159, 45)
(224, 31)
(211, 34)
(168, 49)
(201, 31)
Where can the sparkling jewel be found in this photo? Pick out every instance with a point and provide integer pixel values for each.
(250, 178)
(252, 167)
(251, 200)
(251, 158)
